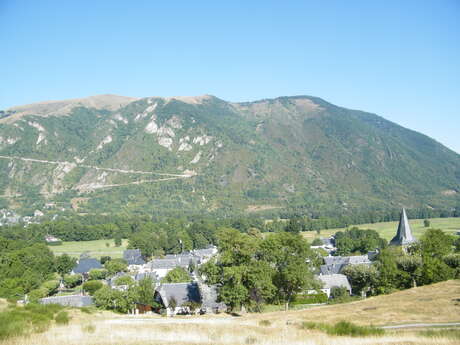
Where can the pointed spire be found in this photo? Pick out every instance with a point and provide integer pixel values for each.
(404, 235)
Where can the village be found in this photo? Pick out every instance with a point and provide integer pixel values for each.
(195, 296)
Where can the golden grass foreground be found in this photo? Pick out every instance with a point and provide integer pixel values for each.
(433, 304)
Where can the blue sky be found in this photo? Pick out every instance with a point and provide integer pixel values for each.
(399, 59)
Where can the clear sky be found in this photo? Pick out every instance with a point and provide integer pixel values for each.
(399, 59)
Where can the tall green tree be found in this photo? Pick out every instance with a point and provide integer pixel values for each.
(64, 264)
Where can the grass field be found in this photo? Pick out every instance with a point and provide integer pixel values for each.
(388, 229)
(95, 249)
(435, 303)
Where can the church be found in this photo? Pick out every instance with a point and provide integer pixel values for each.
(404, 235)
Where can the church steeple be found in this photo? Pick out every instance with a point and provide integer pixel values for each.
(404, 235)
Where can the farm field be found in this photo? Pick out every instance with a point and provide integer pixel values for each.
(428, 304)
(388, 229)
(95, 249)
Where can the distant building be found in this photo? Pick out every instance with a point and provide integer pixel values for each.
(51, 240)
(404, 235)
(335, 264)
(334, 280)
(85, 265)
(162, 266)
(68, 301)
(181, 293)
(133, 257)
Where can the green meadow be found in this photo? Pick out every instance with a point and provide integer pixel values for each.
(388, 229)
(95, 249)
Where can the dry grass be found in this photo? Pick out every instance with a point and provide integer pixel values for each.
(104, 332)
(436, 303)
(3, 304)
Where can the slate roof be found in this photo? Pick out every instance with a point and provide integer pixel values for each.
(133, 257)
(172, 261)
(181, 292)
(332, 280)
(404, 234)
(69, 301)
(86, 265)
(331, 269)
(335, 264)
(141, 276)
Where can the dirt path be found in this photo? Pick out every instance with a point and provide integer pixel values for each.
(421, 325)
(123, 171)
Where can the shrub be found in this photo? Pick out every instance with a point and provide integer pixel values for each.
(97, 274)
(310, 299)
(92, 286)
(124, 280)
(36, 294)
(71, 281)
(344, 328)
(116, 265)
(62, 318)
(88, 328)
(317, 242)
(264, 323)
(338, 292)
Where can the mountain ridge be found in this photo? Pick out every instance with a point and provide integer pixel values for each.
(297, 152)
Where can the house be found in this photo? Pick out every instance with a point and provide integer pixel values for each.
(209, 302)
(176, 297)
(335, 264)
(205, 254)
(85, 265)
(404, 235)
(152, 275)
(133, 258)
(68, 301)
(334, 280)
(51, 240)
(162, 266)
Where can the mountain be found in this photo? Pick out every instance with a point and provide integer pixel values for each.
(178, 155)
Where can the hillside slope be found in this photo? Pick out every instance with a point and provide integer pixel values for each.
(202, 154)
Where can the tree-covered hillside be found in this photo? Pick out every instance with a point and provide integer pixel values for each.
(202, 154)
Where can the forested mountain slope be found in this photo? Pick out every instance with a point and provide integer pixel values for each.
(112, 154)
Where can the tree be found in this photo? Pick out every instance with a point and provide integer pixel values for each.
(118, 239)
(411, 265)
(317, 242)
(294, 225)
(388, 273)
(435, 270)
(124, 280)
(144, 291)
(64, 264)
(115, 266)
(97, 274)
(104, 259)
(436, 243)
(288, 254)
(362, 277)
(177, 275)
(73, 280)
(92, 286)
(453, 261)
(355, 240)
(426, 223)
